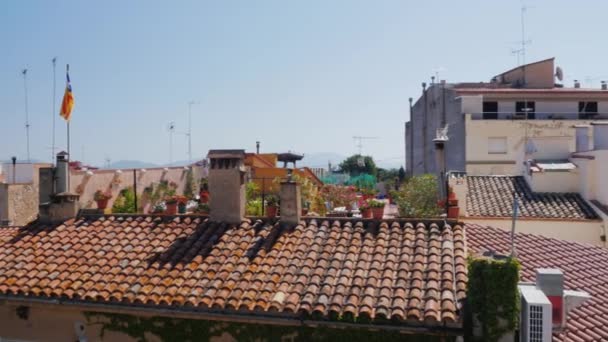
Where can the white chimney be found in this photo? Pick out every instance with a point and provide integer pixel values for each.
(600, 135)
(291, 201)
(582, 137)
(227, 185)
(62, 173)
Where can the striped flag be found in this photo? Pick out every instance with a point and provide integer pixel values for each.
(68, 98)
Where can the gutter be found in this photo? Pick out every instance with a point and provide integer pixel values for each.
(224, 315)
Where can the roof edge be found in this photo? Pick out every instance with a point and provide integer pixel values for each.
(237, 317)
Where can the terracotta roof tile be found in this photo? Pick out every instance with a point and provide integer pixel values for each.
(492, 196)
(324, 268)
(585, 268)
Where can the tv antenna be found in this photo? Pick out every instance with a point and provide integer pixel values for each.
(359, 141)
(189, 134)
(171, 129)
(27, 115)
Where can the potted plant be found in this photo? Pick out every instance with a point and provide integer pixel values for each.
(366, 211)
(182, 201)
(203, 208)
(158, 209)
(204, 192)
(272, 205)
(171, 204)
(102, 199)
(377, 208)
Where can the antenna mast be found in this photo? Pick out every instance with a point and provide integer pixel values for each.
(171, 129)
(27, 115)
(54, 60)
(359, 142)
(189, 134)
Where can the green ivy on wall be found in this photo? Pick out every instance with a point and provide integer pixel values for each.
(492, 295)
(177, 329)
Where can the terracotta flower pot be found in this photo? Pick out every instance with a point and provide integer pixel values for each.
(102, 204)
(366, 213)
(304, 211)
(453, 212)
(453, 202)
(271, 211)
(171, 208)
(377, 213)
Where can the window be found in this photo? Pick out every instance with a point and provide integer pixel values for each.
(497, 145)
(587, 110)
(490, 110)
(522, 107)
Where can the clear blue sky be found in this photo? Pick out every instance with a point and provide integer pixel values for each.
(303, 76)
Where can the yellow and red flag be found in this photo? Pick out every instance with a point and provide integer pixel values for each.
(68, 98)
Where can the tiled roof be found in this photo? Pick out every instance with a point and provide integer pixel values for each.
(585, 268)
(372, 271)
(492, 196)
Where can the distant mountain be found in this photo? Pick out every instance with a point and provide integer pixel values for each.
(321, 159)
(130, 164)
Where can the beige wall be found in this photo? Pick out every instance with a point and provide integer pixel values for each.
(587, 231)
(480, 162)
(554, 181)
(85, 185)
(58, 324)
(18, 203)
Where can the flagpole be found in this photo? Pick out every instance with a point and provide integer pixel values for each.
(54, 60)
(67, 71)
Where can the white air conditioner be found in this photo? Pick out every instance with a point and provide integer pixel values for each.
(536, 317)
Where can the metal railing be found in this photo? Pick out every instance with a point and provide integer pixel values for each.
(538, 116)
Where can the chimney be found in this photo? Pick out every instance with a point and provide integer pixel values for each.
(604, 85)
(291, 201)
(62, 172)
(257, 147)
(551, 282)
(227, 185)
(582, 138)
(440, 141)
(577, 84)
(59, 204)
(600, 135)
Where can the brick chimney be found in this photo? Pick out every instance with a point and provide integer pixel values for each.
(227, 185)
(291, 201)
(60, 205)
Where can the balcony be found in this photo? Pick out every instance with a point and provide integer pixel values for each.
(539, 116)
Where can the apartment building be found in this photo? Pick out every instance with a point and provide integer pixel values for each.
(493, 127)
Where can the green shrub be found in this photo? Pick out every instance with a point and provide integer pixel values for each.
(125, 202)
(418, 197)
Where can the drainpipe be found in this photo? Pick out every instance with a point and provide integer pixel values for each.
(410, 144)
(14, 168)
(424, 132)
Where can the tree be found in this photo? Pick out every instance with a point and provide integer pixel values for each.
(358, 164)
(418, 197)
(401, 174)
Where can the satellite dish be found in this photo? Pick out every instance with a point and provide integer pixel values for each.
(559, 73)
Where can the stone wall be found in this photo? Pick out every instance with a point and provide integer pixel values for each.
(18, 203)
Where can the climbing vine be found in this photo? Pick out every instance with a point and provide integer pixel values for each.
(492, 295)
(177, 329)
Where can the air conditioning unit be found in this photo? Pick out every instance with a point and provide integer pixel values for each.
(535, 324)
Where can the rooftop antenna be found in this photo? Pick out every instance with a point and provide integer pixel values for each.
(54, 61)
(359, 141)
(171, 129)
(189, 134)
(437, 71)
(514, 220)
(108, 162)
(524, 41)
(27, 115)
